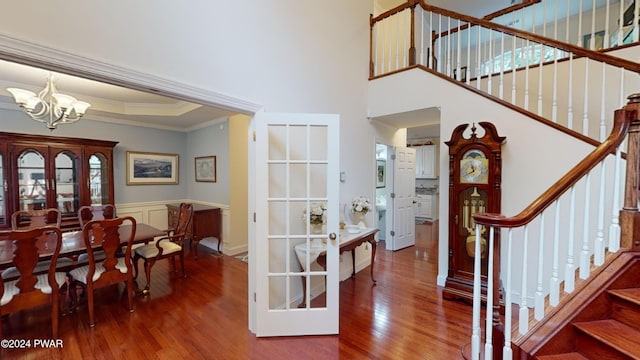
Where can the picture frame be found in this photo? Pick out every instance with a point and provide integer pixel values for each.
(148, 168)
(463, 74)
(205, 168)
(381, 173)
(598, 40)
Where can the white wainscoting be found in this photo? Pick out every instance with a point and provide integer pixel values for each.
(155, 214)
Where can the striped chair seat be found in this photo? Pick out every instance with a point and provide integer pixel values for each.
(98, 255)
(150, 250)
(10, 288)
(41, 267)
(80, 273)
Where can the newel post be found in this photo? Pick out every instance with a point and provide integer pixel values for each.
(412, 43)
(629, 215)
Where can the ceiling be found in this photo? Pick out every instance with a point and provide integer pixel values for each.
(111, 103)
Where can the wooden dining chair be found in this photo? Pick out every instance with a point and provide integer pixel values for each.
(169, 246)
(30, 219)
(27, 219)
(113, 269)
(30, 289)
(90, 212)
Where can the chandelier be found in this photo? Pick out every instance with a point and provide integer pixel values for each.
(50, 107)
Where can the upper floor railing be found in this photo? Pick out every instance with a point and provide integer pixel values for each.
(592, 24)
(569, 87)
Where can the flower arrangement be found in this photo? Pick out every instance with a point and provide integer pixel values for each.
(360, 204)
(317, 213)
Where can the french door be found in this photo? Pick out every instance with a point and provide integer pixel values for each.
(296, 180)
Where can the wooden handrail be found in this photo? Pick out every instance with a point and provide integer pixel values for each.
(622, 121)
(579, 51)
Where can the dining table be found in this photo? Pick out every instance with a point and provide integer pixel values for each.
(73, 243)
(72, 246)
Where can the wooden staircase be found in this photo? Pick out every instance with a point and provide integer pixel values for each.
(607, 326)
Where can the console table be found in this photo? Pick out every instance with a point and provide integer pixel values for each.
(206, 221)
(348, 242)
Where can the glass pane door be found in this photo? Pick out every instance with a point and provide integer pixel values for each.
(3, 193)
(32, 186)
(67, 185)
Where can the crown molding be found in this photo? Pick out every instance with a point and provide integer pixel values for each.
(28, 53)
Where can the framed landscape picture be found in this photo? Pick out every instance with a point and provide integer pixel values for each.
(205, 168)
(144, 168)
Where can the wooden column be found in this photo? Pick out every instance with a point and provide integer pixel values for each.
(629, 216)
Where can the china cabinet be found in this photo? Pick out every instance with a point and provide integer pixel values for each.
(40, 172)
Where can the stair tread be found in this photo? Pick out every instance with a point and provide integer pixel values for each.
(565, 356)
(613, 333)
(632, 294)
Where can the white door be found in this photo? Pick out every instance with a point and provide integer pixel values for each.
(404, 190)
(297, 173)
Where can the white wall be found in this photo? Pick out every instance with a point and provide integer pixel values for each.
(525, 174)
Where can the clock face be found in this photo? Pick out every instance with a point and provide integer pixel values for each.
(474, 168)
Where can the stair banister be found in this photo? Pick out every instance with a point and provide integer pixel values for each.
(626, 121)
(609, 146)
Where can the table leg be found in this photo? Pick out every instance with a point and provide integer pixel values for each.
(304, 292)
(353, 262)
(372, 241)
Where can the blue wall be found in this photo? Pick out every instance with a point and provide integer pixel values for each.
(206, 141)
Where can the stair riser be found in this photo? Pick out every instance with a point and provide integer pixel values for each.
(586, 344)
(626, 312)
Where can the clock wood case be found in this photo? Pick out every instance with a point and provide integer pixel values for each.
(474, 187)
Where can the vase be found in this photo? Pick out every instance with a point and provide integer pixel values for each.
(358, 219)
(316, 228)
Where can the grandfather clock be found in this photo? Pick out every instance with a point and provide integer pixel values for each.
(474, 187)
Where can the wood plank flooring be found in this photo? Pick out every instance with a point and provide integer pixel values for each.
(205, 316)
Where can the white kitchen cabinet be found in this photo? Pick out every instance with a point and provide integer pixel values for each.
(424, 206)
(426, 162)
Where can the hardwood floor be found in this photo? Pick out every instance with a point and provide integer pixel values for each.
(205, 316)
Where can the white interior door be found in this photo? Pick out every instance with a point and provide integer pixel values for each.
(404, 191)
(297, 171)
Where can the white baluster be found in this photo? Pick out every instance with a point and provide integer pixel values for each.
(477, 294)
(488, 346)
(570, 271)
(502, 65)
(554, 284)
(584, 253)
(479, 56)
(605, 43)
(585, 113)
(599, 241)
(506, 349)
(513, 70)
(570, 95)
(538, 312)
(524, 311)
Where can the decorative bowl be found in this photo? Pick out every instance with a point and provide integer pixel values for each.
(352, 229)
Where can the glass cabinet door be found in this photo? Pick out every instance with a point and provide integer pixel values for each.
(5, 189)
(67, 183)
(99, 179)
(32, 183)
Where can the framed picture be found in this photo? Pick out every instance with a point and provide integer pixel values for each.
(463, 74)
(381, 173)
(598, 41)
(144, 168)
(205, 168)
